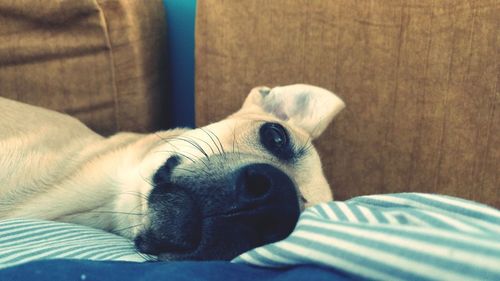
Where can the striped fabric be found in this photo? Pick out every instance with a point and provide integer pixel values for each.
(23, 240)
(406, 236)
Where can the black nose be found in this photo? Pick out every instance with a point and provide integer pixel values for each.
(222, 217)
(270, 198)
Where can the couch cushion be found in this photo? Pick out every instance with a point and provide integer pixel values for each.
(100, 61)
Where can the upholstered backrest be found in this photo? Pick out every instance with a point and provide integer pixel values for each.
(420, 80)
(100, 61)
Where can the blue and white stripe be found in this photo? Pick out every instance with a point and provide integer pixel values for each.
(24, 240)
(406, 236)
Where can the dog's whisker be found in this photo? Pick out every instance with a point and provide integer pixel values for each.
(135, 193)
(170, 142)
(199, 139)
(187, 157)
(206, 165)
(116, 212)
(139, 206)
(197, 146)
(210, 134)
(211, 138)
(194, 144)
(146, 257)
(202, 160)
(166, 140)
(146, 179)
(186, 170)
(200, 148)
(190, 158)
(128, 227)
(218, 140)
(194, 172)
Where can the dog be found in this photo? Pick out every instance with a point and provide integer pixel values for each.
(182, 194)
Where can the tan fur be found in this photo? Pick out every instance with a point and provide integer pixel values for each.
(53, 167)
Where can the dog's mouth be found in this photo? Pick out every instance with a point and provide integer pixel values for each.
(221, 237)
(218, 218)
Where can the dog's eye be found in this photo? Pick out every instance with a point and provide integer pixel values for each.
(274, 138)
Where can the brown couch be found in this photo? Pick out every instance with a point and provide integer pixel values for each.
(420, 80)
(99, 60)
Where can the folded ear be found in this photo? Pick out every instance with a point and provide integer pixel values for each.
(307, 107)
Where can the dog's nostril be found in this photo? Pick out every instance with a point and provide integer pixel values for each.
(256, 184)
(163, 174)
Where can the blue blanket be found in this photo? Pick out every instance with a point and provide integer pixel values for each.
(407, 236)
(82, 270)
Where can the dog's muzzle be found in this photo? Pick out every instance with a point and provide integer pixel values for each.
(217, 214)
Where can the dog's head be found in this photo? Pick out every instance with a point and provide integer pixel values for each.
(217, 191)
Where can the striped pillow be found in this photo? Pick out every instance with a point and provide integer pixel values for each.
(23, 240)
(407, 236)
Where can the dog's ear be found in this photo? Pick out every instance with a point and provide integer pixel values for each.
(307, 107)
